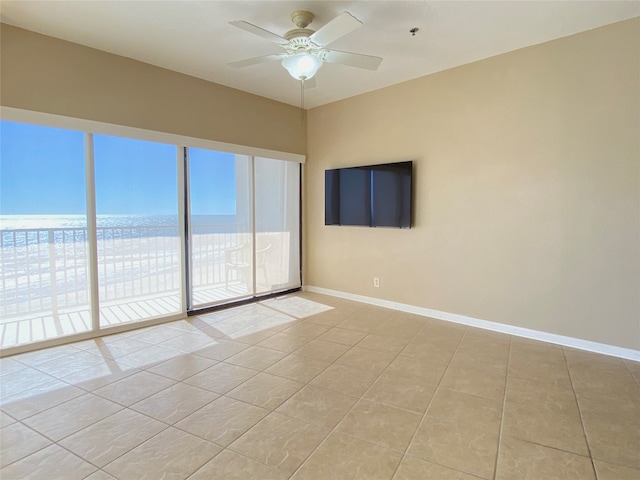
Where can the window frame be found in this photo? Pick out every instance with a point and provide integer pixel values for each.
(182, 143)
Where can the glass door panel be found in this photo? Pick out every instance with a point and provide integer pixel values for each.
(277, 221)
(242, 239)
(221, 226)
(44, 269)
(139, 243)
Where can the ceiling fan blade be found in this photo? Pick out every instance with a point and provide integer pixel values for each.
(254, 61)
(352, 59)
(261, 32)
(336, 28)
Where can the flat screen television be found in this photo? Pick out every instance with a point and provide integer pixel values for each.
(370, 196)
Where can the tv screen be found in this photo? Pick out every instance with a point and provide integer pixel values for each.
(371, 195)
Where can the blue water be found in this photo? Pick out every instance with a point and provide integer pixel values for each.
(137, 254)
(15, 222)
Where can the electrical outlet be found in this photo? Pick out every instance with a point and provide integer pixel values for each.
(376, 282)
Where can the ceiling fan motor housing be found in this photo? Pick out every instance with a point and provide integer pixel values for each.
(301, 44)
(302, 18)
(299, 37)
(298, 33)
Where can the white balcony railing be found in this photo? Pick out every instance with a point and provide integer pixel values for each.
(47, 269)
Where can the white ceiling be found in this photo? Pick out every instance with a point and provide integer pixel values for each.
(195, 38)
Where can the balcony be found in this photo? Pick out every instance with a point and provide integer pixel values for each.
(45, 276)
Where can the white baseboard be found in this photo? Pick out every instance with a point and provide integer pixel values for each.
(578, 343)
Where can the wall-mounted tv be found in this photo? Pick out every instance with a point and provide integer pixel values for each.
(370, 196)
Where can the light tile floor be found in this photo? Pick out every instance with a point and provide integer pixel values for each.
(314, 387)
(16, 330)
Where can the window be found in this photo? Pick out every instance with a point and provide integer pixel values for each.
(244, 226)
(221, 237)
(100, 231)
(44, 234)
(277, 220)
(139, 265)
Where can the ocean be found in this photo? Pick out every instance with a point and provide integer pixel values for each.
(44, 258)
(15, 222)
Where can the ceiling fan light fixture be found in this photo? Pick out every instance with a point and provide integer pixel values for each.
(302, 66)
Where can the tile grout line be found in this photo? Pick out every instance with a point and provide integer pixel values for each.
(167, 426)
(552, 447)
(575, 398)
(461, 392)
(275, 374)
(626, 364)
(141, 399)
(124, 407)
(332, 430)
(361, 397)
(424, 415)
(123, 453)
(54, 378)
(18, 422)
(58, 444)
(222, 447)
(149, 439)
(466, 334)
(504, 408)
(273, 410)
(174, 425)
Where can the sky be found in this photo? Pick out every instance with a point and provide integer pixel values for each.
(42, 173)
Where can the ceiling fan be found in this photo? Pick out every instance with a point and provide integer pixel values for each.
(305, 49)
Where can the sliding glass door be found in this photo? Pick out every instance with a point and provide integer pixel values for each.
(101, 231)
(139, 245)
(277, 224)
(220, 227)
(43, 223)
(244, 226)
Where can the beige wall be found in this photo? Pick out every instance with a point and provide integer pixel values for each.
(48, 75)
(527, 189)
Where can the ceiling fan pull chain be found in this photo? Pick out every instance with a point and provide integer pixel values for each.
(302, 102)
